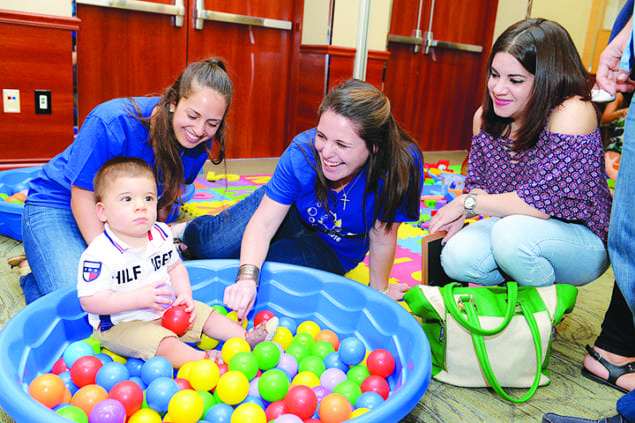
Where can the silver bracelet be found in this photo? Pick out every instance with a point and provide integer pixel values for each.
(248, 271)
(385, 290)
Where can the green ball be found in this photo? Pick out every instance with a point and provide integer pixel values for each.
(350, 390)
(3, 196)
(220, 309)
(74, 414)
(267, 354)
(298, 350)
(312, 364)
(321, 349)
(357, 374)
(304, 338)
(273, 385)
(245, 363)
(208, 400)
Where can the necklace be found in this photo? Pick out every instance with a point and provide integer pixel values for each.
(344, 198)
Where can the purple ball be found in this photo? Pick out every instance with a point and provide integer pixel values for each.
(331, 377)
(253, 387)
(288, 418)
(108, 411)
(320, 392)
(288, 363)
(170, 297)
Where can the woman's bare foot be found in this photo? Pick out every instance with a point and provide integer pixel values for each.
(265, 331)
(622, 376)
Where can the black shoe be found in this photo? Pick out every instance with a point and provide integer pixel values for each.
(555, 418)
(615, 371)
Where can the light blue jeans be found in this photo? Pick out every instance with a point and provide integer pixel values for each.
(528, 250)
(53, 245)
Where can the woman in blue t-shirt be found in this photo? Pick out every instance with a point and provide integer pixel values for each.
(173, 133)
(339, 190)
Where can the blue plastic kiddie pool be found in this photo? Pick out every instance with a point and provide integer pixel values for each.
(36, 337)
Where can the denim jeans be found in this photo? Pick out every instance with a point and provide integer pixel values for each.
(53, 245)
(622, 227)
(528, 250)
(220, 237)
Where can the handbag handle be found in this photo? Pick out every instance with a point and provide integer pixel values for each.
(450, 303)
(481, 353)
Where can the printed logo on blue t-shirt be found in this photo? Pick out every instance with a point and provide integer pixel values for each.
(91, 270)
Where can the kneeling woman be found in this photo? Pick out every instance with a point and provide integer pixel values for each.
(536, 167)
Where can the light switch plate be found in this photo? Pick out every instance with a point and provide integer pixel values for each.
(42, 102)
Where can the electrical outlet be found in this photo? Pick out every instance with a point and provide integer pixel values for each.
(42, 102)
(11, 101)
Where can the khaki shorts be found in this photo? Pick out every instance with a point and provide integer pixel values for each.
(141, 339)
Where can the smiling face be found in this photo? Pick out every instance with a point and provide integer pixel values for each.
(196, 118)
(342, 152)
(129, 206)
(509, 86)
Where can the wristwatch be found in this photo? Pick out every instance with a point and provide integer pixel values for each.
(469, 203)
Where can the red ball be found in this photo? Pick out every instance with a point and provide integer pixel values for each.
(84, 370)
(183, 383)
(377, 384)
(176, 319)
(301, 401)
(59, 367)
(381, 363)
(275, 410)
(129, 394)
(263, 316)
(222, 369)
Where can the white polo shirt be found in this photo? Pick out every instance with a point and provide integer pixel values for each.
(110, 264)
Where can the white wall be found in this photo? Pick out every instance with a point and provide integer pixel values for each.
(43, 7)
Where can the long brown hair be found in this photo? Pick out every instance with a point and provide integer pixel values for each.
(389, 145)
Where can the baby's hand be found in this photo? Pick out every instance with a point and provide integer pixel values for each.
(156, 295)
(188, 304)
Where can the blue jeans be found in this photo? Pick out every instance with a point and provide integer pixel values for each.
(53, 245)
(626, 406)
(622, 227)
(220, 237)
(528, 250)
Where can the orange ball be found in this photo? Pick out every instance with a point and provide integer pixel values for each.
(48, 389)
(328, 336)
(88, 396)
(335, 408)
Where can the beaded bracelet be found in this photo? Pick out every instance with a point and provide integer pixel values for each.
(248, 271)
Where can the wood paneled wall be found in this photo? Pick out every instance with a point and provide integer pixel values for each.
(36, 54)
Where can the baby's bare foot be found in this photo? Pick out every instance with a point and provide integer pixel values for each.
(265, 331)
(215, 355)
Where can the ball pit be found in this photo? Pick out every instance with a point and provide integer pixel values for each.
(36, 337)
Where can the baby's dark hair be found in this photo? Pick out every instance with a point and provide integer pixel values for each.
(117, 167)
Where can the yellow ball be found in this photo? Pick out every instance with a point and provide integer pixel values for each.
(232, 347)
(248, 413)
(232, 387)
(283, 337)
(358, 412)
(184, 371)
(116, 357)
(306, 378)
(186, 406)
(207, 343)
(310, 327)
(203, 375)
(234, 316)
(145, 415)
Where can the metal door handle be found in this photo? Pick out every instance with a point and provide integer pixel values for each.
(200, 15)
(431, 42)
(416, 40)
(177, 10)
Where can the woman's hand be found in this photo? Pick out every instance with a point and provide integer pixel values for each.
(241, 297)
(396, 291)
(449, 218)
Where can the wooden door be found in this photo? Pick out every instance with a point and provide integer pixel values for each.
(435, 93)
(261, 42)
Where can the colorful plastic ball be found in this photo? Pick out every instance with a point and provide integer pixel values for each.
(48, 389)
(381, 363)
(234, 346)
(171, 297)
(320, 392)
(312, 364)
(88, 396)
(267, 355)
(368, 400)
(220, 309)
(289, 364)
(59, 367)
(176, 319)
(304, 338)
(68, 381)
(208, 400)
(155, 368)
(328, 336)
(232, 387)
(273, 385)
(184, 370)
(159, 392)
(334, 408)
(219, 413)
(301, 401)
(74, 414)
(283, 337)
(145, 415)
(254, 400)
(289, 323)
(331, 378)
(108, 411)
(84, 370)
(263, 316)
(358, 412)
(110, 374)
(248, 413)
(129, 394)
(139, 381)
(115, 357)
(349, 389)
(298, 350)
(351, 351)
(203, 375)
(245, 363)
(357, 374)
(207, 343)
(183, 383)
(306, 378)
(309, 327)
(321, 349)
(289, 418)
(134, 366)
(377, 384)
(332, 360)
(275, 410)
(75, 350)
(186, 407)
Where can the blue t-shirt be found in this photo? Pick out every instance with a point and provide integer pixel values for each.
(344, 227)
(111, 129)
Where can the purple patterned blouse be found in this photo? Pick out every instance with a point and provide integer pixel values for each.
(562, 176)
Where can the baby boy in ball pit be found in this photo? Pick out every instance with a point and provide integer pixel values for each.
(126, 273)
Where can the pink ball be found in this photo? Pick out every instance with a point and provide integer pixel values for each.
(301, 401)
(381, 363)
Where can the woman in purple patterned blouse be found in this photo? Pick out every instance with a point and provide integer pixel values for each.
(536, 168)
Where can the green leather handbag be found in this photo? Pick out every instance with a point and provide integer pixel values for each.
(491, 336)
